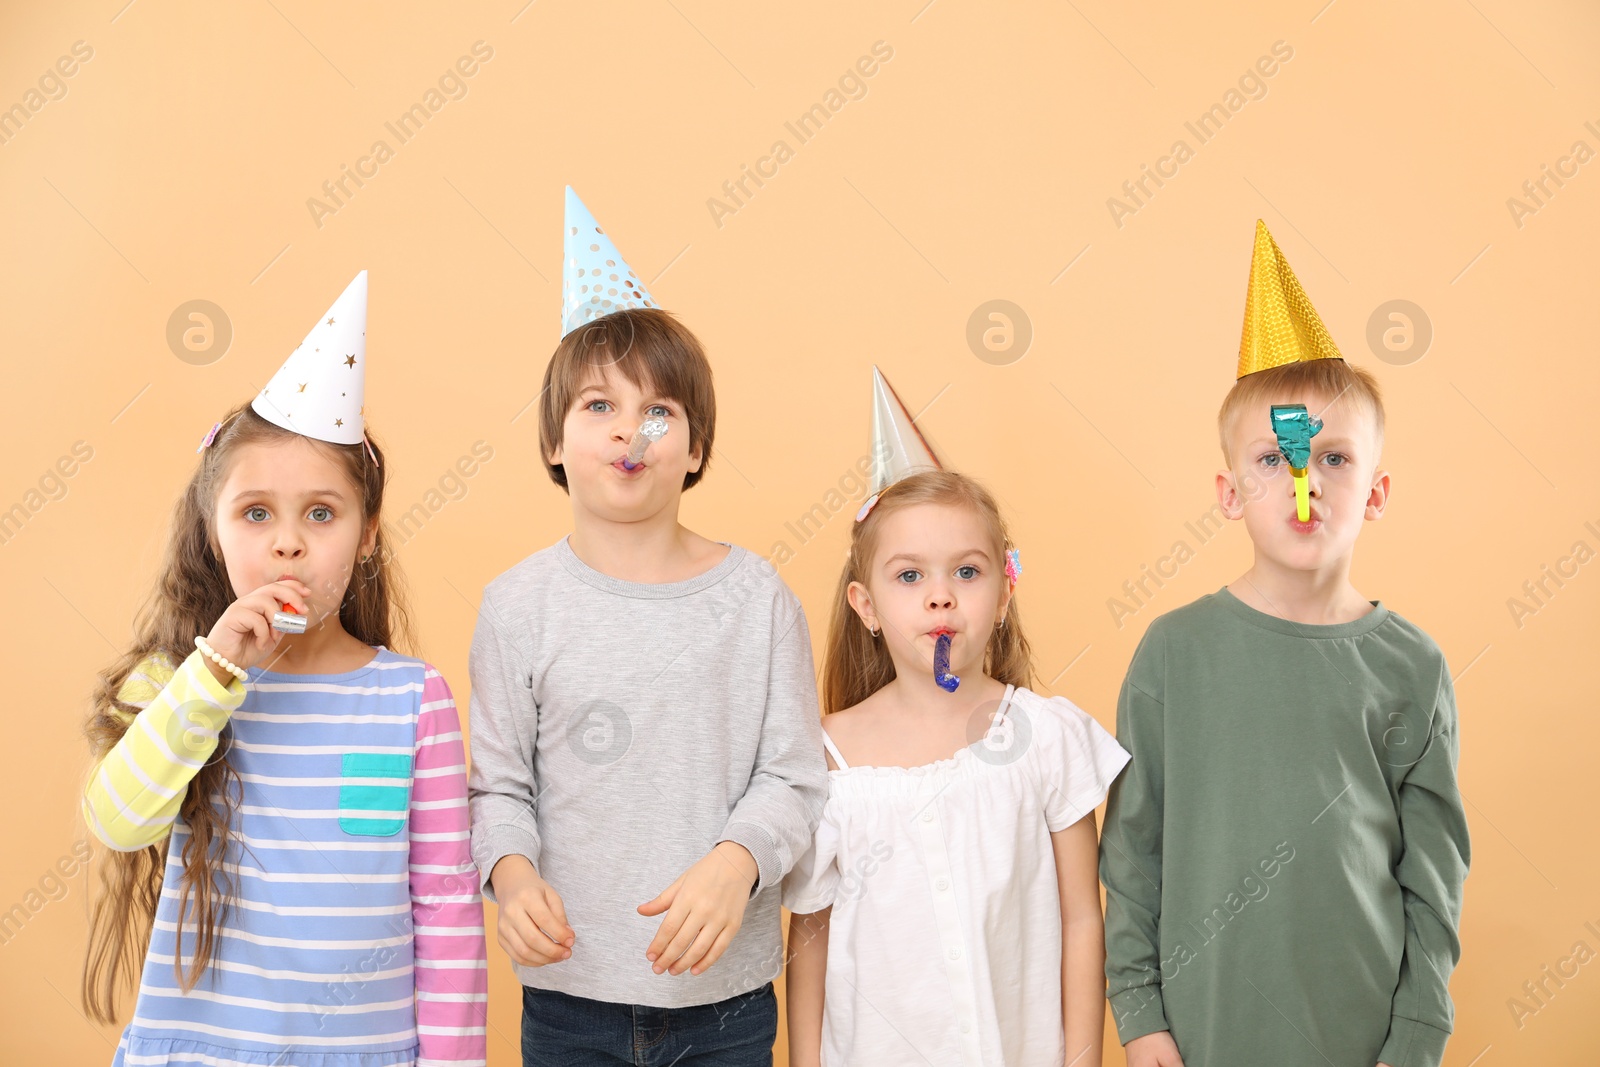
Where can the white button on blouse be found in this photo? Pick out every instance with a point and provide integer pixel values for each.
(944, 944)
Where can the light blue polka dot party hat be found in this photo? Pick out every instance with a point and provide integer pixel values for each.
(595, 279)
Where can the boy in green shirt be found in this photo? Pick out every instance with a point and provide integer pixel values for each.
(1284, 856)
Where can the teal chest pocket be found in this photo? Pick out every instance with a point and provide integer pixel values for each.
(369, 805)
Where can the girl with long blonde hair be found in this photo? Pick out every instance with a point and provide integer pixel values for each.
(949, 909)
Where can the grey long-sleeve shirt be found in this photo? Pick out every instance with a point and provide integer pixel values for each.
(620, 730)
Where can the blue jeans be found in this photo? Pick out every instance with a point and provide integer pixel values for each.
(559, 1030)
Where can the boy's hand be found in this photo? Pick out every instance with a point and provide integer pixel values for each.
(532, 926)
(704, 907)
(1153, 1050)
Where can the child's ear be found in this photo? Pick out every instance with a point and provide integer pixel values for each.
(1228, 495)
(861, 602)
(1378, 496)
(696, 457)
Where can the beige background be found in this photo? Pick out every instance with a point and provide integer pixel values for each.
(178, 163)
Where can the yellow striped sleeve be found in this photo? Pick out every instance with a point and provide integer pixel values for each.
(136, 791)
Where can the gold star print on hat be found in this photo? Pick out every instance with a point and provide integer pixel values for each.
(319, 391)
(1280, 325)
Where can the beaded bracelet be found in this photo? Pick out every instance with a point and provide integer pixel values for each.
(219, 659)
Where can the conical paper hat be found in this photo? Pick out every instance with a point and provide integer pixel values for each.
(595, 279)
(321, 388)
(1280, 325)
(898, 447)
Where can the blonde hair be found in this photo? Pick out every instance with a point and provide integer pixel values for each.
(1332, 380)
(191, 592)
(855, 664)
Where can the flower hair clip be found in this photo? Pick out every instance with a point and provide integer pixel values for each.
(1013, 565)
(866, 509)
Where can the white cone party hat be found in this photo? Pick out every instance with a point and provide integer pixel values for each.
(898, 447)
(595, 279)
(321, 388)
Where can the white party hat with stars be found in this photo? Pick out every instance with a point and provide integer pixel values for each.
(595, 279)
(320, 389)
(898, 447)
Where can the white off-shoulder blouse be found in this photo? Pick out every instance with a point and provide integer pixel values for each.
(944, 943)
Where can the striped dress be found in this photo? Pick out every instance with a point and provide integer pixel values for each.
(355, 934)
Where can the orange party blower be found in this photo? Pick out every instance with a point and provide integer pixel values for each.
(288, 620)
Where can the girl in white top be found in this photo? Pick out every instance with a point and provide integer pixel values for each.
(948, 911)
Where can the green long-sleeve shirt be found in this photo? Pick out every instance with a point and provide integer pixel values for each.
(1284, 856)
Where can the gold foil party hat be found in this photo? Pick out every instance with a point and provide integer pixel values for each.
(1280, 325)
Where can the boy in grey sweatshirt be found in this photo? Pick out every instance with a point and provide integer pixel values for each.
(646, 748)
